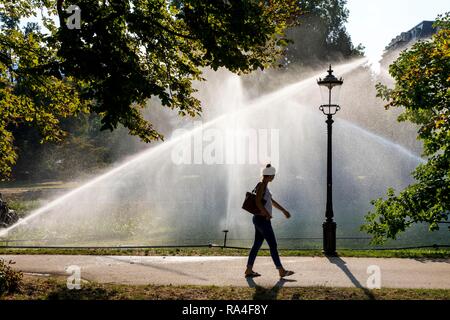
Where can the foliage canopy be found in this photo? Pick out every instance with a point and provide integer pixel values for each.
(124, 53)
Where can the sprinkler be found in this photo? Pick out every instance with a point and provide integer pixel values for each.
(225, 238)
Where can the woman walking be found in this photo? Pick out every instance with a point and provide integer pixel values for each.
(263, 226)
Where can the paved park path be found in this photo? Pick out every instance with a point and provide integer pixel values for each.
(228, 271)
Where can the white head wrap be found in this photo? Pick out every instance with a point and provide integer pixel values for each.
(270, 171)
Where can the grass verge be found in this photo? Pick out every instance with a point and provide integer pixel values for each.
(214, 251)
(40, 288)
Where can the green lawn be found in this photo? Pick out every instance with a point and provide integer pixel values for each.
(413, 253)
(38, 288)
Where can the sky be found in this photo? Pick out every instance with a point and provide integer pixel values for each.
(374, 23)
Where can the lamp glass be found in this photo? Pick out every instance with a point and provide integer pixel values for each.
(325, 94)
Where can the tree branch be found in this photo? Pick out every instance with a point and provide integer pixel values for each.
(59, 8)
(172, 31)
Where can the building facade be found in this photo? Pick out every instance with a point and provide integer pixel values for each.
(423, 30)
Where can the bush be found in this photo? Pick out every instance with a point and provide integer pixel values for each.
(10, 279)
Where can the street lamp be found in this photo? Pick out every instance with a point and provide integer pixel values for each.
(329, 107)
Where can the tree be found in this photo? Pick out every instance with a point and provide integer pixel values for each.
(321, 34)
(29, 91)
(422, 87)
(124, 53)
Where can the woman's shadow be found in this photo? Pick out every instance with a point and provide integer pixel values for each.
(262, 293)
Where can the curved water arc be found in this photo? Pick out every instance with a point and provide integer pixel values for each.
(156, 151)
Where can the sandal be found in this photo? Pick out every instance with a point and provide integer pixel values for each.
(252, 275)
(287, 274)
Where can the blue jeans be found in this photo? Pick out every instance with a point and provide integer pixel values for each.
(263, 230)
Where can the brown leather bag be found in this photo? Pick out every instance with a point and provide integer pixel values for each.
(250, 202)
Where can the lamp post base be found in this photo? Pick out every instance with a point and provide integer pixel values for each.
(329, 238)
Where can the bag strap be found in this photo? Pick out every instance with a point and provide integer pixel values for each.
(254, 190)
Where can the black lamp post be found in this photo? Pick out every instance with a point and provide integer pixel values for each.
(329, 107)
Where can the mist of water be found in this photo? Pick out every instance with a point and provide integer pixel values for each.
(153, 199)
